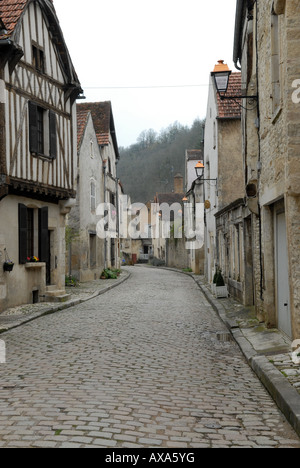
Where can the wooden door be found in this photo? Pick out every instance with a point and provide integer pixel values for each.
(282, 273)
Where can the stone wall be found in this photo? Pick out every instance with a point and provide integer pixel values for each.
(271, 141)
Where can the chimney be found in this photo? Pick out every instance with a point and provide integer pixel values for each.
(178, 183)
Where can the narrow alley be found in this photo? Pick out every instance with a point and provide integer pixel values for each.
(140, 366)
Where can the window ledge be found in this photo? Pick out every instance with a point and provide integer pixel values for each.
(34, 265)
(43, 156)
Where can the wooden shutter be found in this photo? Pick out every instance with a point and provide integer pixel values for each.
(33, 127)
(23, 229)
(52, 134)
(43, 235)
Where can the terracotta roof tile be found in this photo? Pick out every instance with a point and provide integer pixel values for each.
(10, 13)
(194, 155)
(82, 118)
(101, 113)
(169, 199)
(230, 108)
(103, 122)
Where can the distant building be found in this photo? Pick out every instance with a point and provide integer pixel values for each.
(85, 251)
(167, 247)
(96, 183)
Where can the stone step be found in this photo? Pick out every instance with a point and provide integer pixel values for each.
(51, 287)
(56, 295)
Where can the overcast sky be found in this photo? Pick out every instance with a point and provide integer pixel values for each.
(155, 52)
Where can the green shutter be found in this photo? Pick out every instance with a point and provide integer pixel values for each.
(43, 235)
(53, 135)
(33, 127)
(22, 234)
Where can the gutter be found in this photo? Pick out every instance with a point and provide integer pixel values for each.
(238, 33)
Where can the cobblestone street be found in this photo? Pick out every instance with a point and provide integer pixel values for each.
(140, 366)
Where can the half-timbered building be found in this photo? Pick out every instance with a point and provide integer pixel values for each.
(38, 91)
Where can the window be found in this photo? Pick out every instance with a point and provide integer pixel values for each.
(93, 195)
(92, 149)
(42, 131)
(38, 60)
(109, 166)
(33, 233)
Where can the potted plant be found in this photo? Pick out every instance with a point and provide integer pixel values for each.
(32, 259)
(213, 286)
(8, 265)
(220, 286)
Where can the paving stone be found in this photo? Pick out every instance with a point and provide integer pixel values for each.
(143, 364)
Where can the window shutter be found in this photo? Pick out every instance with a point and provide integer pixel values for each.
(33, 127)
(22, 234)
(52, 134)
(43, 235)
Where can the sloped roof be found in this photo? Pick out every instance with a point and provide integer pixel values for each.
(194, 155)
(229, 108)
(169, 199)
(82, 118)
(10, 13)
(103, 122)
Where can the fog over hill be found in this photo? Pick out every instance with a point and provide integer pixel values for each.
(149, 165)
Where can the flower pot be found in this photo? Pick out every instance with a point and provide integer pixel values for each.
(221, 291)
(8, 266)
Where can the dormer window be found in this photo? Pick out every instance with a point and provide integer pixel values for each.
(38, 60)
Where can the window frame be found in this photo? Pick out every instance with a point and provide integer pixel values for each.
(42, 131)
(38, 58)
(93, 198)
(33, 233)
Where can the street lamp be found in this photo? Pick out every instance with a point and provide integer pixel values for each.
(199, 168)
(221, 75)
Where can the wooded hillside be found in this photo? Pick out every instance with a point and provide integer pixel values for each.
(149, 165)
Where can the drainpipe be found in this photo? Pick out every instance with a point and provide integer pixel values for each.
(259, 159)
(104, 187)
(118, 221)
(238, 33)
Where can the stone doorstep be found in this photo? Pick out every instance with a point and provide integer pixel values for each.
(58, 297)
(55, 295)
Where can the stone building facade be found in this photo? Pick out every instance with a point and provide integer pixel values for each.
(267, 49)
(223, 163)
(85, 251)
(97, 183)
